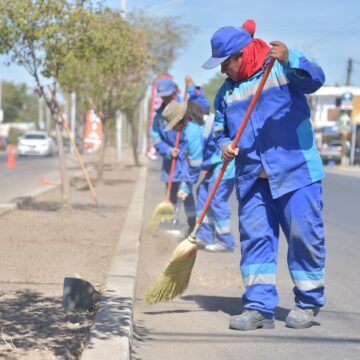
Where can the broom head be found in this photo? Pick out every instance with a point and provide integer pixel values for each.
(174, 279)
(164, 211)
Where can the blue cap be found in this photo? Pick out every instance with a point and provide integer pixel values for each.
(226, 41)
(165, 87)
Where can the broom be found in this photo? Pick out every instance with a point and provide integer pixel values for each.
(175, 277)
(165, 210)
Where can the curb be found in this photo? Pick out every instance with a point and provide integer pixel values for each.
(22, 200)
(17, 202)
(111, 334)
(5, 208)
(344, 170)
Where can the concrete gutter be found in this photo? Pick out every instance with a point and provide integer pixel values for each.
(22, 200)
(112, 332)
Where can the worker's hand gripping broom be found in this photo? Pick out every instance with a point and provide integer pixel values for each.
(165, 210)
(175, 277)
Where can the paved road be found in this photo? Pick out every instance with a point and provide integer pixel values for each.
(26, 176)
(195, 326)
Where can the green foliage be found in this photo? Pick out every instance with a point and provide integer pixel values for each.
(89, 49)
(41, 34)
(211, 87)
(166, 37)
(13, 135)
(108, 65)
(19, 105)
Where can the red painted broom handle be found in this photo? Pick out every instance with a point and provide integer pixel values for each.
(173, 161)
(236, 139)
(172, 169)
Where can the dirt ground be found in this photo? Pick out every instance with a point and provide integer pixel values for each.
(40, 246)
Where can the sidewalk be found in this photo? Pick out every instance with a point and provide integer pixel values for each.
(196, 325)
(120, 324)
(42, 244)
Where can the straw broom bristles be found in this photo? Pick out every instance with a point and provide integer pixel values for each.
(175, 277)
(163, 212)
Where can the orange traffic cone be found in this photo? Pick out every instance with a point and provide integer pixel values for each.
(46, 181)
(11, 160)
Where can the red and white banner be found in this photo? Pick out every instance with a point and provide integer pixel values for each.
(93, 131)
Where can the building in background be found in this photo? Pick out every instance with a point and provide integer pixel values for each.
(336, 107)
(336, 117)
(93, 132)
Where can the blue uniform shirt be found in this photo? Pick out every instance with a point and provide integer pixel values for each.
(201, 152)
(164, 141)
(278, 137)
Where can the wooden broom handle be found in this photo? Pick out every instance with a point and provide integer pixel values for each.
(236, 139)
(173, 161)
(172, 169)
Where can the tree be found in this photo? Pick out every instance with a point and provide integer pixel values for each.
(40, 35)
(18, 103)
(112, 73)
(166, 38)
(124, 56)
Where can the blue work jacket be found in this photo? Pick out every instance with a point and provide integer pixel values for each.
(201, 152)
(164, 141)
(278, 137)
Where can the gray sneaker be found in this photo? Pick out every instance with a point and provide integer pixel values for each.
(299, 318)
(251, 320)
(217, 248)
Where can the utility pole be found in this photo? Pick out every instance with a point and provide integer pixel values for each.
(123, 9)
(1, 110)
(119, 135)
(349, 71)
(73, 118)
(41, 123)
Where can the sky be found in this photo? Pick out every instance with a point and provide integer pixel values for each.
(326, 30)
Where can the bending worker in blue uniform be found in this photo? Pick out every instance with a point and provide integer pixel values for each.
(278, 172)
(164, 142)
(214, 235)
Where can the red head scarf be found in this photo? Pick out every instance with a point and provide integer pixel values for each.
(254, 54)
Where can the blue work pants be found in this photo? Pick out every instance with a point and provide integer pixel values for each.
(298, 213)
(216, 223)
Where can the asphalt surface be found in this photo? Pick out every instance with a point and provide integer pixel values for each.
(25, 177)
(195, 325)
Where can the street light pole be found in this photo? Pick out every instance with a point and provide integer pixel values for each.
(123, 9)
(349, 71)
(1, 110)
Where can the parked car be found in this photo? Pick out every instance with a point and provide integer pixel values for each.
(333, 151)
(36, 143)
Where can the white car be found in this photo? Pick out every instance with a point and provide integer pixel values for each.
(36, 143)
